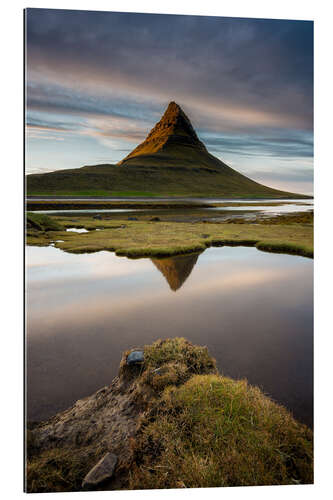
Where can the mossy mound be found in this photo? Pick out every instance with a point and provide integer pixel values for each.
(213, 431)
(173, 422)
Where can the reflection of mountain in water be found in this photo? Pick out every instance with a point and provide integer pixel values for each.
(176, 269)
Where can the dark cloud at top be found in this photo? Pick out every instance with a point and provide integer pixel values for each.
(259, 64)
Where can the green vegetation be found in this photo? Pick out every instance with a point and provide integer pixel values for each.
(290, 248)
(40, 228)
(136, 239)
(58, 470)
(99, 193)
(305, 218)
(215, 431)
(41, 222)
(150, 179)
(195, 428)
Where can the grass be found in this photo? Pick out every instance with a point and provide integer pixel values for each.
(196, 428)
(304, 218)
(98, 192)
(215, 431)
(41, 222)
(137, 239)
(58, 470)
(279, 247)
(207, 430)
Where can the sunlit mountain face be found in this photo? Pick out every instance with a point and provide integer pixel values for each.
(98, 81)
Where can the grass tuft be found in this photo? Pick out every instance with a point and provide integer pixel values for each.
(215, 431)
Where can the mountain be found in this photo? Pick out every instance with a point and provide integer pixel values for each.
(170, 161)
(173, 138)
(176, 270)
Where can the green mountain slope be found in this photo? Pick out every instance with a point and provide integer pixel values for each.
(171, 161)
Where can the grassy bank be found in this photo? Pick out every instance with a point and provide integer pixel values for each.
(136, 239)
(41, 223)
(195, 428)
(97, 192)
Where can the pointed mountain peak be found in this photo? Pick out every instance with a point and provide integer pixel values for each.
(173, 111)
(173, 106)
(173, 120)
(173, 129)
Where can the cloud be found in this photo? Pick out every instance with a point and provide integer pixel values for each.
(253, 69)
(295, 145)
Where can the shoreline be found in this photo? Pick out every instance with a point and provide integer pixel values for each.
(37, 205)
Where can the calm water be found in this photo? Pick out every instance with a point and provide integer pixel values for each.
(248, 210)
(253, 310)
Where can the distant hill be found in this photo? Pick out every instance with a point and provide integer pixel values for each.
(170, 161)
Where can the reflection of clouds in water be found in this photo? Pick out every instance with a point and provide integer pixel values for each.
(44, 263)
(97, 296)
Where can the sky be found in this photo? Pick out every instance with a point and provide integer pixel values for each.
(97, 82)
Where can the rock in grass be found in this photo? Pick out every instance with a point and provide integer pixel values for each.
(155, 219)
(102, 471)
(135, 357)
(132, 218)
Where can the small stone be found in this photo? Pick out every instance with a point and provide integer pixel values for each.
(135, 357)
(155, 219)
(132, 218)
(102, 471)
(98, 217)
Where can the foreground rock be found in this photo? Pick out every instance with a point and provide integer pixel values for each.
(135, 357)
(102, 471)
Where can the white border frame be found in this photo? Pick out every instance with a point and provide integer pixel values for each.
(12, 245)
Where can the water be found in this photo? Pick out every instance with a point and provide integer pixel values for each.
(246, 211)
(77, 230)
(253, 310)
